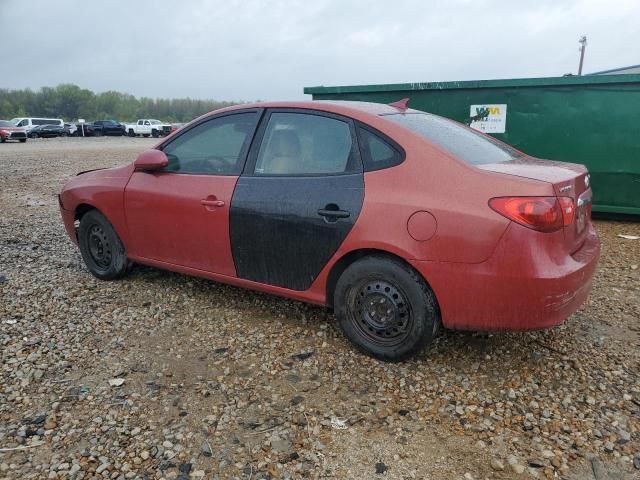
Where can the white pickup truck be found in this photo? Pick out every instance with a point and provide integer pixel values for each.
(146, 127)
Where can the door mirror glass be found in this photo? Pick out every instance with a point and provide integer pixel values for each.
(151, 161)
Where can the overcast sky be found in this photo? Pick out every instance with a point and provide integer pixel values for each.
(249, 50)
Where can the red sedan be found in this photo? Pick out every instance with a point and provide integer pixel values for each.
(400, 220)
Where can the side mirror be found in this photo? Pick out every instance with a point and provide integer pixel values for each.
(151, 160)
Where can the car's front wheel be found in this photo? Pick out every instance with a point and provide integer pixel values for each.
(385, 308)
(101, 248)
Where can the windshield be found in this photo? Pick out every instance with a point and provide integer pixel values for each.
(15, 120)
(4, 123)
(464, 143)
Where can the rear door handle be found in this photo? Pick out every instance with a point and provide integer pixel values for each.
(212, 203)
(323, 212)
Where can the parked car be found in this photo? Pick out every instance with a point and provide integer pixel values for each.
(146, 127)
(400, 220)
(8, 131)
(30, 122)
(47, 131)
(71, 129)
(107, 127)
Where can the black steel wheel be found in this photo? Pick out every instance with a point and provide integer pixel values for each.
(386, 308)
(380, 311)
(100, 246)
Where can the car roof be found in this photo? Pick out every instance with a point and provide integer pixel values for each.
(334, 106)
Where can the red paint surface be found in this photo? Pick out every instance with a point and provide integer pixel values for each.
(486, 271)
(168, 222)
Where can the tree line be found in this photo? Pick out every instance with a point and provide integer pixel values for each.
(71, 102)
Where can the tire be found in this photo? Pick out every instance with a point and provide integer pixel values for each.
(385, 308)
(2, 140)
(34, 135)
(97, 133)
(101, 248)
(23, 140)
(154, 133)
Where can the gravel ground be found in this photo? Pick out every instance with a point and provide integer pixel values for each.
(160, 375)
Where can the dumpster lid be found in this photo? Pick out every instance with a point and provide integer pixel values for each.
(585, 80)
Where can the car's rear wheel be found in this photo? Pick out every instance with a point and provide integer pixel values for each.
(101, 248)
(154, 133)
(385, 308)
(132, 133)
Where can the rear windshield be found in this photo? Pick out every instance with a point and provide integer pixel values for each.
(464, 143)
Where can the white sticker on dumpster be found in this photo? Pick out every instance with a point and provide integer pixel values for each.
(489, 118)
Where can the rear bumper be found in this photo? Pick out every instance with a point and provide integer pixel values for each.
(524, 285)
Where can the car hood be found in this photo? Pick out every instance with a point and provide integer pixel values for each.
(115, 172)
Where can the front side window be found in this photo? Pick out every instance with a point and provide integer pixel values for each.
(464, 143)
(217, 146)
(305, 144)
(147, 123)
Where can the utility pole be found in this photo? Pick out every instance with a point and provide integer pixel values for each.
(583, 43)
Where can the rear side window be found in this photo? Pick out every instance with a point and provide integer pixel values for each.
(306, 144)
(464, 143)
(378, 152)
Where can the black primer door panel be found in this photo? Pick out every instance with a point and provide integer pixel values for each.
(285, 229)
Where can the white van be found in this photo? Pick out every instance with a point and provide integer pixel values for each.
(29, 123)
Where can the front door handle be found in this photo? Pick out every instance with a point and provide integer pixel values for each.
(212, 203)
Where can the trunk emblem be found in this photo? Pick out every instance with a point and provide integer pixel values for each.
(566, 188)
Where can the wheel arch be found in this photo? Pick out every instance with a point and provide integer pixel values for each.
(82, 208)
(354, 255)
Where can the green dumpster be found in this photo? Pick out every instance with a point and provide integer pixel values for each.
(593, 120)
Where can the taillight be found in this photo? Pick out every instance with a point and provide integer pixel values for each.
(568, 210)
(544, 214)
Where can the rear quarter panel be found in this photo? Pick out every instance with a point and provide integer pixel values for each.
(455, 193)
